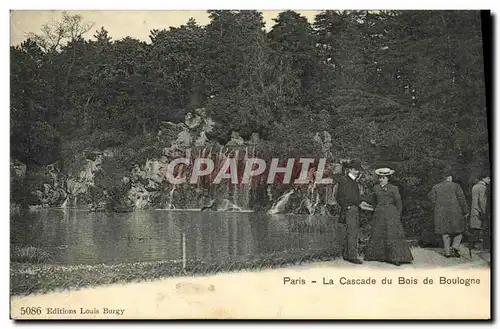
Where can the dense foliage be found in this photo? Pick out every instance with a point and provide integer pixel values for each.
(399, 88)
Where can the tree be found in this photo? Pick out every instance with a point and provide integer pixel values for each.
(34, 141)
(173, 78)
(293, 38)
(54, 34)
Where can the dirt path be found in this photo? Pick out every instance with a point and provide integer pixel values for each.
(268, 294)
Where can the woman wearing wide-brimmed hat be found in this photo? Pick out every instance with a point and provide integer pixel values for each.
(387, 242)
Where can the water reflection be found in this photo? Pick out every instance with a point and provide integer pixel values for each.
(259, 229)
(76, 237)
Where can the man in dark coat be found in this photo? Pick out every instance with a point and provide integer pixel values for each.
(348, 198)
(479, 214)
(450, 212)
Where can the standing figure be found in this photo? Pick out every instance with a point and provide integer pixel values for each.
(348, 198)
(450, 212)
(387, 242)
(479, 221)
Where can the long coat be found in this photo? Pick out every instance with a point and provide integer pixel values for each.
(478, 206)
(450, 208)
(387, 242)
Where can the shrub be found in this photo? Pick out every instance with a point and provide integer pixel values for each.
(102, 139)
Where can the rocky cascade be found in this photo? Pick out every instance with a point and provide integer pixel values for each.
(145, 185)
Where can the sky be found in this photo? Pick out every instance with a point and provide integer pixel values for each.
(120, 23)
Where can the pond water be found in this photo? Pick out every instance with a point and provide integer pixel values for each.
(81, 237)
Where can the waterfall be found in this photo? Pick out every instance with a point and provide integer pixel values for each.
(65, 203)
(170, 204)
(246, 187)
(312, 199)
(236, 187)
(280, 205)
(228, 206)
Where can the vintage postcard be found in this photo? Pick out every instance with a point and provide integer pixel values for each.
(252, 164)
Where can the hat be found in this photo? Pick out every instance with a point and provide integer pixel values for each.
(485, 173)
(356, 164)
(384, 171)
(447, 172)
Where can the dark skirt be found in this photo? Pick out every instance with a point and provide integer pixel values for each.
(387, 242)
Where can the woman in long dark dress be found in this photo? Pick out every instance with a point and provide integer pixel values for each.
(387, 242)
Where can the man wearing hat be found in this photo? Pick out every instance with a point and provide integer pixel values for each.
(348, 198)
(450, 212)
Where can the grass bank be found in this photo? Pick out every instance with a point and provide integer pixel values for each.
(29, 278)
